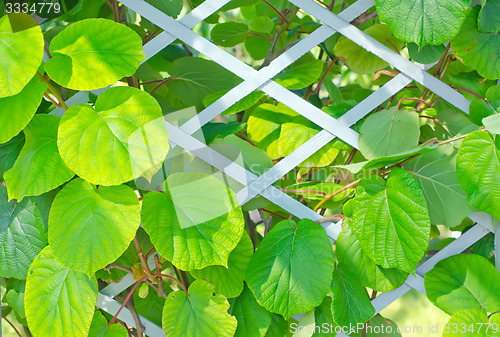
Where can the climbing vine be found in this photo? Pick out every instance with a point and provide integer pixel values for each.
(94, 191)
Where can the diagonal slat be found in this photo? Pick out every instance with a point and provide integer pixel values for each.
(335, 22)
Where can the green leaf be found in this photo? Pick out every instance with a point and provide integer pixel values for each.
(211, 131)
(22, 235)
(253, 320)
(229, 281)
(489, 22)
(24, 104)
(58, 301)
(243, 104)
(280, 130)
(492, 123)
(393, 226)
(464, 281)
(150, 307)
(479, 109)
(257, 47)
(357, 264)
(9, 152)
(90, 227)
(468, 323)
(351, 304)
(380, 162)
(436, 174)
(300, 76)
(39, 167)
(478, 50)
(389, 132)
(229, 34)
(199, 313)
(122, 138)
(94, 53)
(98, 327)
(291, 271)
(358, 59)
(262, 24)
(278, 327)
(196, 223)
(478, 171)
(170, 7)
(426, 54)
(423, 21)
(193, 78)
(21, 52)
(323, 316)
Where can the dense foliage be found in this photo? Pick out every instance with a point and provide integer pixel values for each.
(93, 191)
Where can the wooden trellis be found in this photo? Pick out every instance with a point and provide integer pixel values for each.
(332, 128)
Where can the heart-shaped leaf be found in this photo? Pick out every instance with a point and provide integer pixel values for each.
(94, 53)
(464, 282)
(476, 49)
(393, 225)
(389, 132)
(201, 312)
(291, 271)
(122, 138)
(58, 301)
(39, 167)
(478, 171)
(21, 52)
(22, 235)
(90, 227)
(436, 173)
(423, 21)
(196, 223)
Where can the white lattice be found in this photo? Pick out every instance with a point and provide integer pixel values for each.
(262, 79)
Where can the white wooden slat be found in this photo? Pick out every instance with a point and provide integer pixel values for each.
(111, 306)
(198, 14)
(322, 138)
(385, 53)
(237, 67)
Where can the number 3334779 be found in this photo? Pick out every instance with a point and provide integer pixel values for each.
(32, 8)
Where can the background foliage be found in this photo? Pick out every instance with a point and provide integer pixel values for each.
(91, 191)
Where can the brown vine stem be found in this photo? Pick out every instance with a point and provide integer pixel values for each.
(144, 262)
(260, 35)
(329, 196)
(277, 11)
(135, 287)
(53, 91)
(410, 99)
(12, 325)
(162, 83)
(161, 290)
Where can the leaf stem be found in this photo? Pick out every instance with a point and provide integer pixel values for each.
(12, 325)
(53, 91)
(144, 262)
(276, 10)
(260, 35)
(301, 191)
(329, 196)
(410, 99)
(275, 214)
(162, 83)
